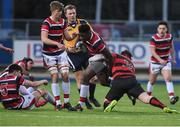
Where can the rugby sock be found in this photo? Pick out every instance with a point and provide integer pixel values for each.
(48, 97)
(106, 103)
(155, 102)
(56, 92)
(66, 91)
(170, 89)
(83, 94)
(149, 88)
(92, 88)
(40, 103)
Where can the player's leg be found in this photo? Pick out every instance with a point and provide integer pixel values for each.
(78, 76)
(114, 94)
(78, 62)
(87, 75)
(167, 74)
(144, 97)
(50, 62)
(154, 69)
(92, 88)
(64, 71)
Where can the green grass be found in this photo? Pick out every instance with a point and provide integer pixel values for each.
(123, 114)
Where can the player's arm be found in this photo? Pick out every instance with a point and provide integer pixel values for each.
(109, 57)
(69, 37)
(35, 83)
(173, 55)
(46, 40)
(155, 55)
(6, 49)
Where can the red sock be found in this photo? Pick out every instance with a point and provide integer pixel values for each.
(155, 102)
(40, 103)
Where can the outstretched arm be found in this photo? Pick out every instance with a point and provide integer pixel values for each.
(35, 83)
(6, 49)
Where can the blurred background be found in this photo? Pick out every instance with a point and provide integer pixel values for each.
(124, 24)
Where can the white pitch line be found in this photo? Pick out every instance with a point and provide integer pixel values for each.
(90, 117)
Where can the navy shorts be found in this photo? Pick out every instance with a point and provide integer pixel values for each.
(78, 61)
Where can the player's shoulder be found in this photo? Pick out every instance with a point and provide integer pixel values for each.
(83, 21)
(168, 35)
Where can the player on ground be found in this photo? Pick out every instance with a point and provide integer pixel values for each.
(26, 65)
(99, 60)
(78, 57)
(124, 81)
(9, 90)
(54, 54)
(162, 50)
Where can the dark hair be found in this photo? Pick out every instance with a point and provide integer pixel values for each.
(14, 67)
(69, 7)
(84, 28)
(127, 53)
(163, 23)
(27, 59)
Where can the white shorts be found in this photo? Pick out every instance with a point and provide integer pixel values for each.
(60, 59)
(156, 68)
(29, 102)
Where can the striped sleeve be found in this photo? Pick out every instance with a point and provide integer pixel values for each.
(45, 26)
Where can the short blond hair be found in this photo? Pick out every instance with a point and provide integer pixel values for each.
(69, 7)
(56, 5)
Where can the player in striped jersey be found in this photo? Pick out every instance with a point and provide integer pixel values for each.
(162, 50)
(54, 54)
(124, 81)
(9, 90)
(100, 58)
(78, 57)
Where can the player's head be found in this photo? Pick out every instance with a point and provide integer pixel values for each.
(84, 32)
(70, 12)
(127, 54)
(162, 28)
(56, 8)
(15, 69)
(28, 63)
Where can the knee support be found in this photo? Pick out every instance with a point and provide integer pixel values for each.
(53, 70)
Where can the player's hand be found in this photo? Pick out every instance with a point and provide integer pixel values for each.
(60, 46)
(74, 35)
(9, 50)
(71, 49)
(45, 82)
(163, 62)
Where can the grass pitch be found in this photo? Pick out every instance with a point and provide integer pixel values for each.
(124, 114)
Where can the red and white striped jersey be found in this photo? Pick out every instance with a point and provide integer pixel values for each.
(55, 32)
(122, 67)
(9, 91)
(162, 46)
(95, 45)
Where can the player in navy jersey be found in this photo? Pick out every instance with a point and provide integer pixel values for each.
(124, 81)
(9, 90)
(53, 30)
(162, 50)
(78, 57)
(100, 58)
